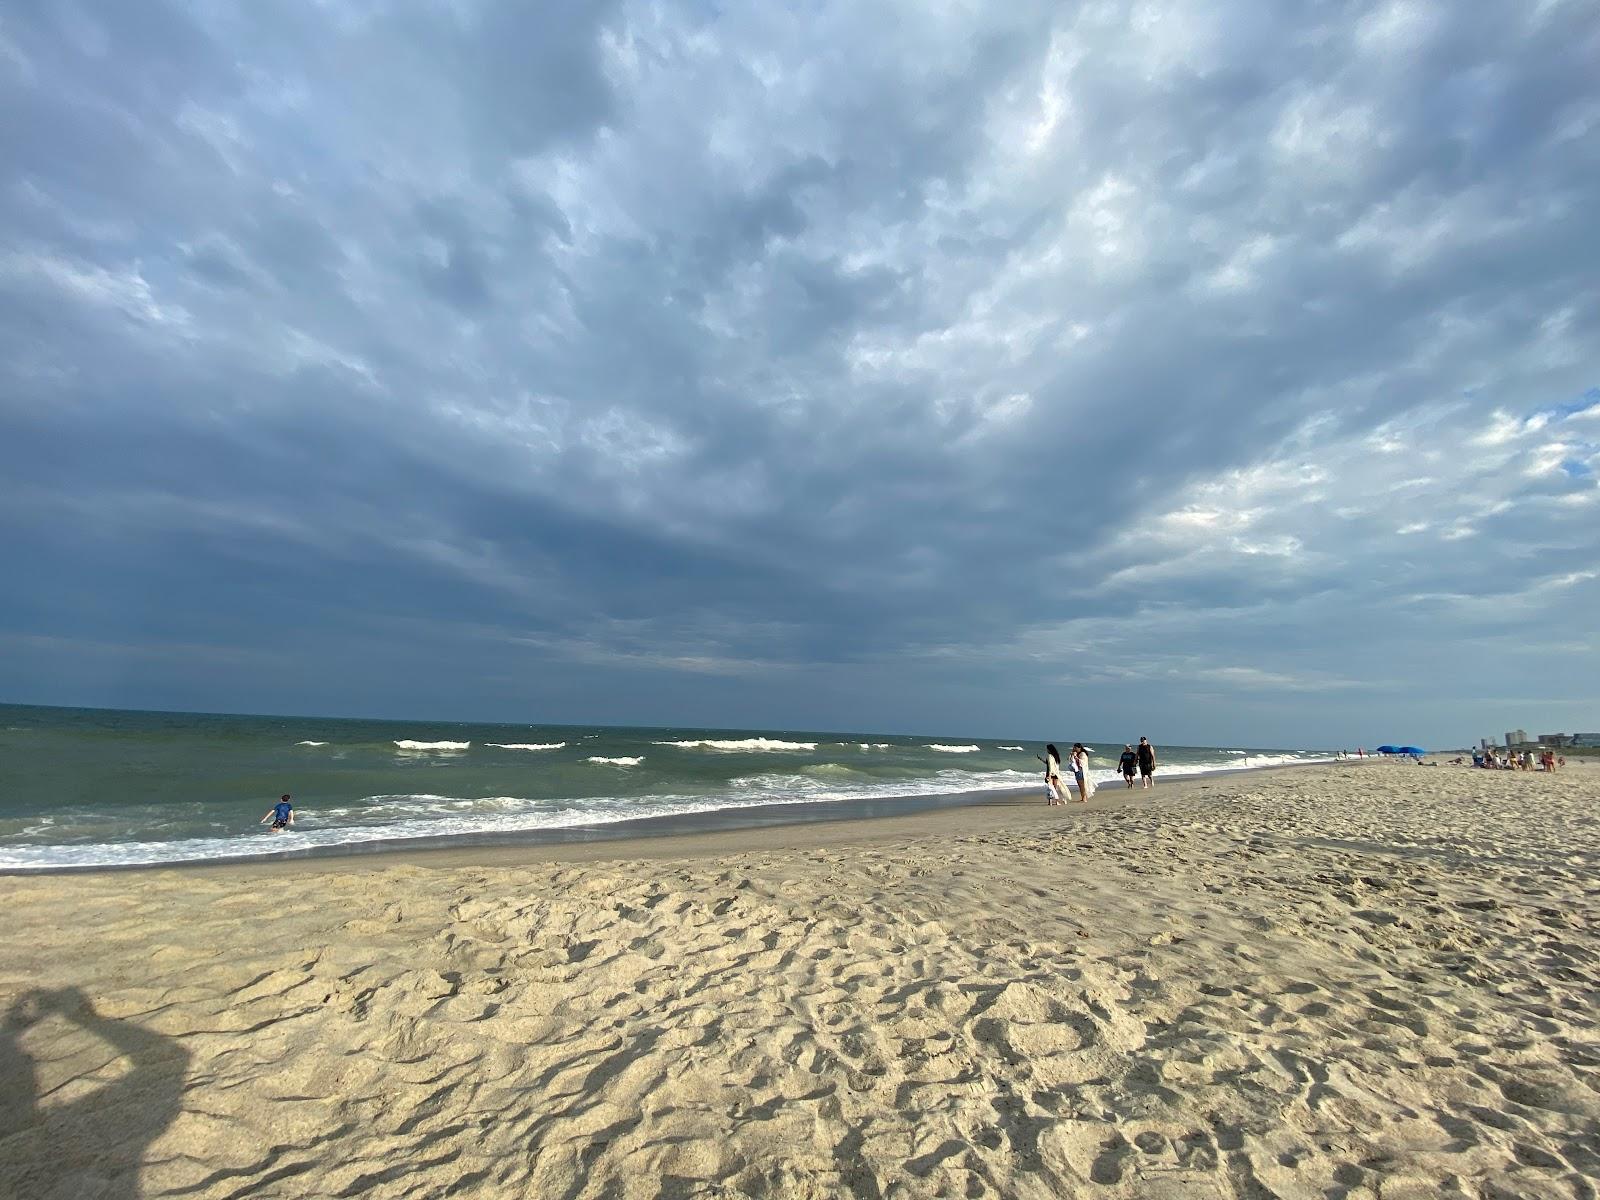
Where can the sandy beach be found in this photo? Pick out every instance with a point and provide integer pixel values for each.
(1351, 981)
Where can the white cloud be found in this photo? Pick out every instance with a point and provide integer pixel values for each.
(1399, 29)
(124, 289)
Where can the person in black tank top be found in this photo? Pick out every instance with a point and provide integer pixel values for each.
(1147, 763)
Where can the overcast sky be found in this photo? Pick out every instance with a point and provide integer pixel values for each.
(1219, 371)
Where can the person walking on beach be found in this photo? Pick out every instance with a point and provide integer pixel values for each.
(1053, 793)
(1080, 772)
(1147, 763)
(281, 816)
(1129, 764)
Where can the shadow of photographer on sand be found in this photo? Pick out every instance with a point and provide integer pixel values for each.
(92, 1144)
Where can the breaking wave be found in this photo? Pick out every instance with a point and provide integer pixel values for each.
(398, 818)
(409, 745)
(618, 762)
(526, 745)
(953, 749)
(756, 743)
(1252, 761)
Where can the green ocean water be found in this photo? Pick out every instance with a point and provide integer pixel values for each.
(98, 787)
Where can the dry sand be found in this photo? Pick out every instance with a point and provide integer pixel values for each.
(1331, 982)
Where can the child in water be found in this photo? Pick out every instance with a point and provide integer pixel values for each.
(281, 816)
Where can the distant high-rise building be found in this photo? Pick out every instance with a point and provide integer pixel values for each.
(1516, 737)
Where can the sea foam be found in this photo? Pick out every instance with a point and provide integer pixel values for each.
(953, 749)
(311, 743)
(618, 762)
(405, 817)
(1255, 761)
(526, 745)
(756, 743)
(409, 745)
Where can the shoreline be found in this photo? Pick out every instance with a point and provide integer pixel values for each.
(739, 828)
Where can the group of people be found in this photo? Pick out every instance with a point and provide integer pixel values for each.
(1516, 760)
(1141, 761)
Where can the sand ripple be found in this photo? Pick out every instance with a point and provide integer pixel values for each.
(1284, 985)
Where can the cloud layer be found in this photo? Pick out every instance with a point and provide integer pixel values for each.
(862, 366)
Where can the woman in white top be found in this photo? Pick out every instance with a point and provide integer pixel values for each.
(1080, 771)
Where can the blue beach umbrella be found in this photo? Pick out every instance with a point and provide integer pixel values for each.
(1388, 750)
(1413, 751)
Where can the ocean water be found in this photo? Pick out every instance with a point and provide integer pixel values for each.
(97, 787)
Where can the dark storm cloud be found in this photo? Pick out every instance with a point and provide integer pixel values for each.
(866, 366)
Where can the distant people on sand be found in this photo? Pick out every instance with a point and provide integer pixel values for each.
(1146, 755)
(1129, 764)
(1080, 771)
(1491, 759)
(281, 816)
(1053, 792)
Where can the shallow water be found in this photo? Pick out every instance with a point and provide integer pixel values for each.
(99, 787)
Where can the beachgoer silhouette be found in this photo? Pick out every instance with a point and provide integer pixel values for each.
(94, 1144)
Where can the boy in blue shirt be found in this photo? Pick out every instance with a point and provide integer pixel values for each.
(281, 816)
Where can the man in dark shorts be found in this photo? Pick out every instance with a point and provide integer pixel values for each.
(1129, 763)
(281, 816)
(1147, 763)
